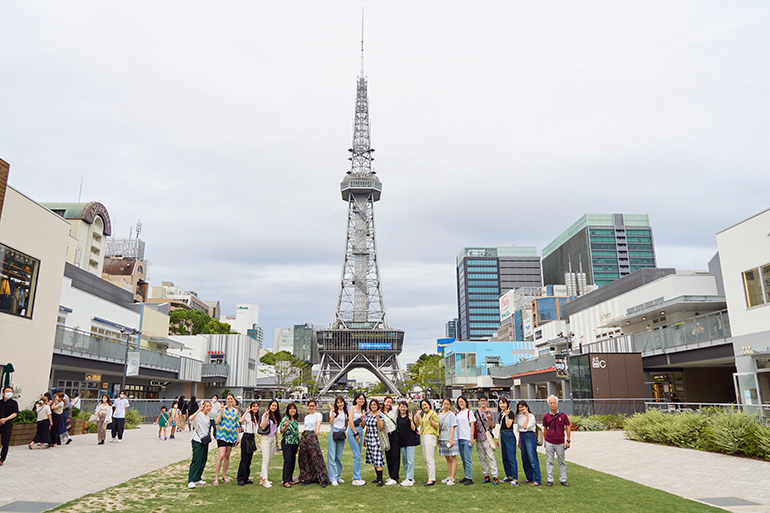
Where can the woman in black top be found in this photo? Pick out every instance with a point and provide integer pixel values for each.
(192, 407)
(407, 440)
(508, 441)
(182, 404)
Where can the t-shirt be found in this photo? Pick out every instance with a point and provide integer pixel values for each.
(8, 408)
(43, 412)
(445, 423)
(201, 427)
(121, 405)
(531, 425)
(407, 437)
(426, 428)
(271, 424)
(554, 434)
(390, 422)
(484, 423)
(341, 420)
(464, 420)
(312, 420)
(248, 426)
(503, 423)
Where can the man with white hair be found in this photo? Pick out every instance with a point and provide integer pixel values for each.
(555, 423)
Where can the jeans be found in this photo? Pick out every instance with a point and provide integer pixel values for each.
(407, 456)
(334, 455)
(466, 451)
(429, 454)
(550, 449)
(529, 459)
(508, 446)
(356, 448)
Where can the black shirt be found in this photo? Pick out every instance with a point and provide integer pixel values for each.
(8, 408)
(503, 426)
(192, 407)
(407, 437)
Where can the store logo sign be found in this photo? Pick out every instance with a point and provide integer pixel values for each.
(597, 363)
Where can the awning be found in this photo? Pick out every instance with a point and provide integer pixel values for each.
(133, 331)
(171, 344)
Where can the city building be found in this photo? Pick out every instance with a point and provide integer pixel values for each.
(467, 364)
(33, 250)
(215, 309)
(604, 246)
(89, 228)
(450, 329)
(177, 297)
(483, 274)
(284, 340)
(246, 318)
(128, 273)
(304, 344)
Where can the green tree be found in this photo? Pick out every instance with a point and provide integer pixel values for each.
(195, 322)
(288, 371)
(378, 389)
(428, 373)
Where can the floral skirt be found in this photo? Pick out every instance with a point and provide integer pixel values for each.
(311, 460)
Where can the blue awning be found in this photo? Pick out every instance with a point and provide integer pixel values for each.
(133, 331)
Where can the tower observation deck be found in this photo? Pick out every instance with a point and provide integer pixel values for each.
(359, 336)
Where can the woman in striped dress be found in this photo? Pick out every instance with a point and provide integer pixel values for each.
(227, 436)
(374, 422)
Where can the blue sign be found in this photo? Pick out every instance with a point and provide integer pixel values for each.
(375, 345)
(442, 343)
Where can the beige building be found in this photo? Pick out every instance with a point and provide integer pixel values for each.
(177, 297)
(128, 273)
(89, 228)
(33, 247)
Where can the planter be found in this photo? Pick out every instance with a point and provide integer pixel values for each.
(23, 434)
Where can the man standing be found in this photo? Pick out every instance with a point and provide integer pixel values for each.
(9, 409)
(119, 417)
(555, 423)
(485, 446)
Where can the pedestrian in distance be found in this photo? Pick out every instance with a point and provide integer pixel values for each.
(173, 416)
(192, 407)
(249, 421)
(119, 417)
(76, 401)
(269, 439)
(200, 445)
(9, 410)
(216, 405)
(485, 441)
(527, 425)
(338, 420)
(508, 441)
(466, 424)
(447, 440)
(312, 468)
(44, 423)
(64, 420)
(57, 410)
(374, 422)
(392, 455)
(227, 436)
(555, 424)
(408, 438)
(289, 443)
(103, 414)
(162, 422)
(356, 435)
(427, 421)
(182, 403)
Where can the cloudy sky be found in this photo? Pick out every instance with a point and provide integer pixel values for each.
(225, 129)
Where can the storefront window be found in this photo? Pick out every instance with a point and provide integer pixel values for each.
(753, 287)
(18, 279)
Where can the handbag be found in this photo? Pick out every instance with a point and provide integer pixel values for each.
(384, 440)
(266, 430)
(338, 436)
(205, 440)
(93, 418)
(249, 445)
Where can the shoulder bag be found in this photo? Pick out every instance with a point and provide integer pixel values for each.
(266, 430)
(205, 440)
(384, 440)
(249, 445)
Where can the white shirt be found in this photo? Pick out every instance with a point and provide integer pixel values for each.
(201, 427)
(121, 405)
(531, 426)
(311, 421)
(464, 420)
(340, 421)
(76, 403)
(249, 426)
(215, 407)
(390, 422)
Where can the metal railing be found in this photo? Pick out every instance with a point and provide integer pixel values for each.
(541, 362)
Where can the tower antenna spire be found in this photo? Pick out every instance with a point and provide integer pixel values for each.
(362, 41)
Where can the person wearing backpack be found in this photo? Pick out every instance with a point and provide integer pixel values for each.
(555, 423)
(528, 443)
(485, 443)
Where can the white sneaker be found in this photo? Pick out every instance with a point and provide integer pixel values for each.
(113, 440)
(359, 482)
(190, 485)
(341, 481)
(391, 482)
(266, 484)
(407, 482)
(120, 440)
(334, 483)
(200, 483)
(445, 480)
(450, 482)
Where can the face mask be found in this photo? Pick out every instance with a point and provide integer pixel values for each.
(122, 396)
(8, 395)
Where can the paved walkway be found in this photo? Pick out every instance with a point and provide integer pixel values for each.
(685, 472)
(84, 467)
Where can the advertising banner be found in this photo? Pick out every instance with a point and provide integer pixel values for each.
(506, 306)
(562, 372)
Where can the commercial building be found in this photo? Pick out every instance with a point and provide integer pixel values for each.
(483, 274)
(305, 344)
(246, 318)
(467, 365)
(167, 292)
(128, 273)
(604, 246)
(284, 340)
(450, 329)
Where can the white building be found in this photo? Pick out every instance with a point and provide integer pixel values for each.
(284, 340)
(246, 318)
(167, 291)
(89, 228)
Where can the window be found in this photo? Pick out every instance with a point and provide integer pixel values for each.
(602, 232)
(18, 280)
(474, 276)
(766, 281)
(753, 286)
(482, 262)
(481, 282)
(482, 289)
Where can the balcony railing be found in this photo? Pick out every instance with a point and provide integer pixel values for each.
(543, 362)
(211, 370)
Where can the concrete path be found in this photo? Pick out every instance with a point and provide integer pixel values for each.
(84, 467)
(714, 479)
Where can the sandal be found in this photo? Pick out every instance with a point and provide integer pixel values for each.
(215, 483)
(226, 479)
(287, 485)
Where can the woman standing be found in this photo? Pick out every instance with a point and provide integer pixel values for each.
(44, 423)
(227, 436)
(182, 413)
(200, 445)
(427, 420)
(248, 444)
(173, 417)
(103, 417)
(289, 444)
(447, 440)
(374, 422)
(338, 420)
(528, 443)
(270, 420)
(407, 440)
(508, 442)
(57, 407)
(192, 407)
(392, 455)
(312, 468)
(356, 435)
(466, 423)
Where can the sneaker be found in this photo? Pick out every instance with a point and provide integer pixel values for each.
(407, 482)
(158, 437)
(514, 483)
(507, 479)
(359, 482)
(450, 481)
(114, 440)
(266, 484)
(495, 481)
(165, 438)
(391, 482)
(564, 483)
(190, 485)
(468, 482)
(101, 443)
(549, 483)
(445, 480)
(486, 480)
(334, 483)
(380, 483)
(69, 441)
(200, 483)
(120, 440)
(341, 481)
(172, 437)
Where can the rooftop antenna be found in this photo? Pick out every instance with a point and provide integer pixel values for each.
(80, 193)
(138, 228)
(362, 41)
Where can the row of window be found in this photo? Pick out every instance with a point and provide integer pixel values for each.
(603, 254)
(478, 283)
(484, 303)
(485, 276)
(485, 318)
(606, 275)
(484, 311)
(638, 233)
(643, 261)
(640, 239)
(602, 246)
(485, 324)
(482, 333)
(605, 268)
(602, 239)
(483, 289)
(483, 270)
(480, 262)
(484, 296)
(641, 253)
(604, 261)
(601, 232)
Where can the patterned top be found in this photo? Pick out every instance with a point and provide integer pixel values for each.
(291, 435)
(227, 429)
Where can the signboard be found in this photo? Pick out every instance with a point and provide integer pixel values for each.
(527, 326)
(93, 377)
(375, 345)
(562, 371)
(132, 369)
(506, 306)
(442, 343)
(598, 363)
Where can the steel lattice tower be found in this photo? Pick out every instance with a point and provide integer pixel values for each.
(359, 336)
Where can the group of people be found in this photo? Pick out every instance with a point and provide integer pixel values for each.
(54, 413)
(388, 432)
(177, 417)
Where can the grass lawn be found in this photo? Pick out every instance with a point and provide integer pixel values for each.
(165, 491)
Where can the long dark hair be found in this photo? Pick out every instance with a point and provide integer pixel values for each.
(501, 400)
(427, 402)
(392, 402)
(254, 415)
(464, 400)
(296, 412)
(373, 401)
(524, 404)
(355, 401)
(344, 406)
(275, 415)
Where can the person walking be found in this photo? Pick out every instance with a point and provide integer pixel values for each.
(64, 420)
(427, 420)
(192, 407)
(374, 422)
(485, 443)
(508, 442)
(392, 455)
(466, 423)
(338, 420)
(173, 416)
(216, 405)
(119, 417)
(356, 435)
(312, 468)
(103, 414)
(268, 441)
(9, 410)
(182, 403)
(447, 440)
(57, 409)
(227, 436)
(289, 444)
(44, 423)
(555, 424)
(200, 445)
(407, 440)
(76, 401)
(249, 421)
(162, 422)
(527, 425)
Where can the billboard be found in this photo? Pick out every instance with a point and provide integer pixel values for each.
(442, 343)
(506, 306)
(562, 371)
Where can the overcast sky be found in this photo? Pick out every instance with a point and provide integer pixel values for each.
(224, 128)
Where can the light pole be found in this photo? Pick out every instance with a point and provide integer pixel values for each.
(123, 331)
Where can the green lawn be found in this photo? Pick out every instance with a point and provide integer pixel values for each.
(165, 491)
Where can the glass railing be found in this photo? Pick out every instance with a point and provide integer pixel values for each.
(211, 370)
(693, 331)
(543, 362)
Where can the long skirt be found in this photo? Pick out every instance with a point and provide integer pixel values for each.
(311, 460)
(43, 434)
(56, 418)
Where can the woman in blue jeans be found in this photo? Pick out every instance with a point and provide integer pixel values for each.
(508, 442)
(356, 415)
(338, 420)
(528, 443)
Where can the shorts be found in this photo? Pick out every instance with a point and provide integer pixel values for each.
(222, 443)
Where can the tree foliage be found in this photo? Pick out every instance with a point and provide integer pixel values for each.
(428, 373)
(196, 322)
(288, 371)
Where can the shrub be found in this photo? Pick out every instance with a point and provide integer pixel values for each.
(761, 440)
(133, 418)
(612, 421)
(75, 412)
(591, 424)
(25, 417)
(645, 427)
(731, 432)
(686, 429)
